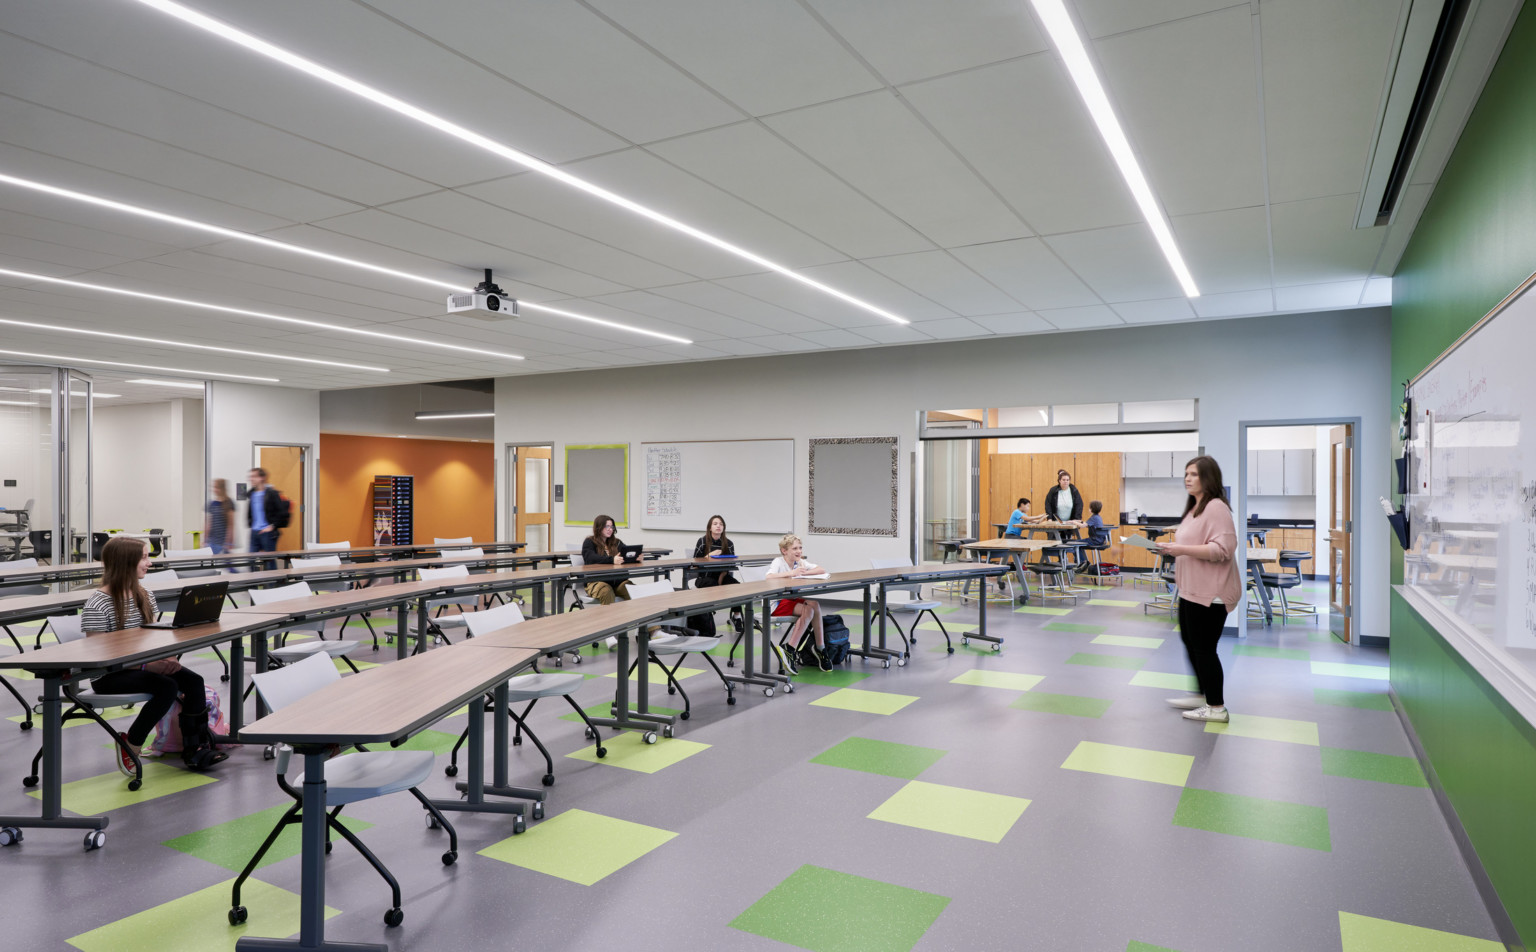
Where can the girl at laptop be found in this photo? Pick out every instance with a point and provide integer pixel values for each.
(600, 548)
(123, 602)
(792, 564)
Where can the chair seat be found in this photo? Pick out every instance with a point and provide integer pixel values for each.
(461, 601)
(304, 649)
(683, 644)
(99, 701)
(449, 621)
(528, 687)
(914, 606)
(353, 777)
(1046, 568)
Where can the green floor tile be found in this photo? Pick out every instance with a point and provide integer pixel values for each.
(439, 742)
(108, 792)
(1074, 628)
(657, 676)
(605, 709)
(954, 810)
(232, 844)
(1041, 610)
(1113, 602)
(1364, 765)
(110, 713)
(1365, 700)
(865, 702)
(198, 921)
(1007, 680)
(1165, 680)
(579, 846)
(1097, 660)
(1134, 763)
(904, 761)
(360, 664)
(1072, 704)
(840, 677)
(1367, 934)
(1337, 669)
(629, 750)
(1135, 946)
(1274, 821)
(826, 911)
(1266, 651)
(1128, 641)
(1266, 728)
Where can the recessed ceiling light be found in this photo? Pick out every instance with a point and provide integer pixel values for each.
(453, 414)
(19, 403)
(1058, 23)
(418, 114)
(419, 342)
(176, 343)
(80, 393)
(168, 383)
(117, 363)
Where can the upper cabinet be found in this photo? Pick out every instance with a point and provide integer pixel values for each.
(1156, 465)
(1281, 472)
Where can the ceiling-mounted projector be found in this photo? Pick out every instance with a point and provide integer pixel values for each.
(487, 301)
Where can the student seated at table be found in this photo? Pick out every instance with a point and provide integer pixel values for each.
(714, 542)
(792, 563)
(602, 546)
(1097, 534)
(122, 602)
(1020, 519)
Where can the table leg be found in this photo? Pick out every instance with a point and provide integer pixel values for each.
(53, 771)
(421, 625)
(236, 687)
(1255, 569)
(623, 715)
(474, 786)
(400, 612)
(538, 600)
(748, 675)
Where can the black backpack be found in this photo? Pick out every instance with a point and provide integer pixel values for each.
(835, 634)
(283, 512)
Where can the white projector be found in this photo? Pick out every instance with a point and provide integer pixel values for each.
(487, 307)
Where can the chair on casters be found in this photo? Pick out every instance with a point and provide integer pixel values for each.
(42, 544)
(525, 687)
(17, 520)
(911, 600)
(286, 654)
(86, 704)
(1053, 578)
(334, 585)
(155, 540)
(1287, 578)
(756, 573)
(579, 589)
(678, 641)
(465, 542)
(348, 779)
(17, 565)
(464, 603)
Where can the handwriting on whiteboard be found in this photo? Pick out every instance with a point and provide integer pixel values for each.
(663, 481)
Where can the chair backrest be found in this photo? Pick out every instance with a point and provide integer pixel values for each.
(323, 546)
(502, 616)
(753, 573)
(263, 596)
(573, 548)
(463, 554)
(467, 540)
(280, 687)
(164, 575)
(317, 562)
(42, 542)
(156, 542)
(452, 571)
(186, 553)
(577, 561)
(65, 627)
(647, 589)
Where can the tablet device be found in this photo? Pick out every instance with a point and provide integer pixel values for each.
(196, 605)
(631, 553)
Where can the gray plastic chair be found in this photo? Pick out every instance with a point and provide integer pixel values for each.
(909, 598)
(679, 644)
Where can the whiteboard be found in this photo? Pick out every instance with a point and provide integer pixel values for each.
(751, 483)
(1471, 501)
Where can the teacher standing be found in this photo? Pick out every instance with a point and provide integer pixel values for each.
(1064, 503)
(1205, 573)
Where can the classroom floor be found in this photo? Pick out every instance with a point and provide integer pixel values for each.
(1041, 798)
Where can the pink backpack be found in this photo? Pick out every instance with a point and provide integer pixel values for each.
(167, 739)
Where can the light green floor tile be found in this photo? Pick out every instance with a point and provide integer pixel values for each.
(232, 844)
(579, 846)
(1367, 934)
(439, 742)
(1267, 651)
(1074, 628)
(110, 713)
(1128, 641)
(1274, 821)
(1113, 602)
(629, 750)
(198, 921)
(1134, 763)
(108, 792)
(826, 911)
(840, 677)
(1364, 765)
(1135, 946)
(953, 810)
(865, 702)
(1072, 704)
(1097, 660)
(1008, 680)
(1337, 669)
(362, 665)
(1266, 728)
(605, 709)
(880, 757)
(1365, 700)
(1041, 610)
(657, 676)
(1165, 681)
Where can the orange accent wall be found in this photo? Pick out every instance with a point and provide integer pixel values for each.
(455, 486)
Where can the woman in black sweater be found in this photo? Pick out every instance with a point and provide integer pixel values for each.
(602, 548)
(714, 541)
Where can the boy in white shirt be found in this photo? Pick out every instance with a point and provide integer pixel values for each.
(792, 563)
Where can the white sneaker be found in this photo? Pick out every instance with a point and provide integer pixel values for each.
(1203, 713)
(1187, 703)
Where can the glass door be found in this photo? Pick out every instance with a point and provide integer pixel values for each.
(45, 458)
(528, 481)
(1341, 452)
(947, 486)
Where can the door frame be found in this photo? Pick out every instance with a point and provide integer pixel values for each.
(509, 486)
(311, 513)
(1240, 489)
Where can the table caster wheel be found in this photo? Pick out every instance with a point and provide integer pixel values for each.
(602, 752)
(901, 662)
(730, 699)
(576, 659)
(95, 840)
(519, 825)
(10, 836)
(789, 689)
(549, 780)
(237, 915)
(452, 770)
(538, 809)
(268, 753)
(767, 692)
(394, 917)
(997, 647)
(886, 663)
(559, 662)
(590, 735)
(667, 731)
(964, 643)
(450, 857)
(135, 784)
(684, 716)
(432, 823)
(649, 737)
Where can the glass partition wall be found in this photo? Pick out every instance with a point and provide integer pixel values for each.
(45, 458)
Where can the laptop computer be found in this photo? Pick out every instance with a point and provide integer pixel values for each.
(631, 553)
(196, 605)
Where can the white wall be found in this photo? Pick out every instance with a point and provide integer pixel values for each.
(1338, 367)
(147, 468)
(391, 411)
(241, 415)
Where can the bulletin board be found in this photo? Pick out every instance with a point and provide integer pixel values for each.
(596, 483)
(855, 486)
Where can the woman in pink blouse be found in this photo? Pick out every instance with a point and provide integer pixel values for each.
(1205, 571)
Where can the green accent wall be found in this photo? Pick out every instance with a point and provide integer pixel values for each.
(1475, 243)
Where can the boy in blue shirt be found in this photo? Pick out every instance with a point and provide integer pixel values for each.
(1020, 518)
(1097, 534)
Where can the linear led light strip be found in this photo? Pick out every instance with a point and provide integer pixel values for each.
(311, 252)
(178, 343)
(437, 122)
(261, 314)
(118, 363)
(1053, 13)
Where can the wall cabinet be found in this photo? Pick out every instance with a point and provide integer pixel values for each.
(1153, 465)
(1281, 472)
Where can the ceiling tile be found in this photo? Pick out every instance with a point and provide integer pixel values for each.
(835, 338)
(938, 276)
(1014, 323)
(1225, 250)
(1319, 297)
(1156, 312)
(1029, 272)
(872, 286)
(894, 334)
(1119, 264)
(954, 327)
(701, 323)
(913, 39)
(714, 296)
(1105, 17)
(1234, 304)
(785, 343)
(1076, 318)
(1316, 241)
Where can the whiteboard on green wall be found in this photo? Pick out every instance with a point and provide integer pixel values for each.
(751, 483)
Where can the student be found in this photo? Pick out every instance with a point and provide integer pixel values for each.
(1205, 572)
(602, 546)
(122, 602)
(792, 563)
(267, 514)
(216, 523)
(1019, 519)
(1097, 534)
(713, 542)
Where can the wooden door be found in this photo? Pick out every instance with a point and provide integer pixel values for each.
(1341, 466)
(531, 475)
(285, 472)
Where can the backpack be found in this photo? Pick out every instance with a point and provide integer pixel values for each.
(834, 634)
(284, 513)
(167, 739)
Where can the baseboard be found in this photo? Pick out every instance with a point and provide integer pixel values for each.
(1375, 641)
(1502, 924)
